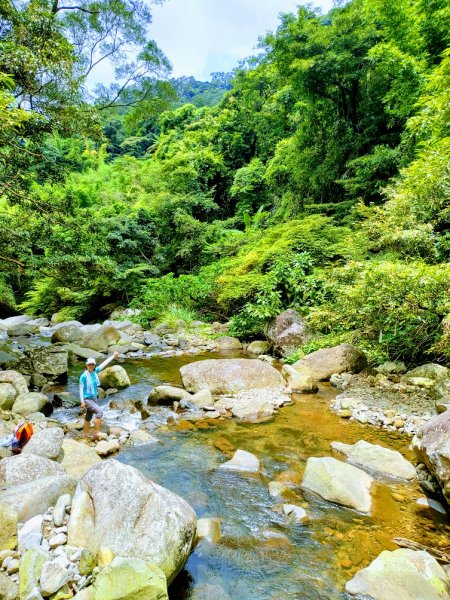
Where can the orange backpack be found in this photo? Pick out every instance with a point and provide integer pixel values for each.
(22, 434)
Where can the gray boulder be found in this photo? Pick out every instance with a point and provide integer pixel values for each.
(31, 402)
(431, 445)
(402, 574)
(130, 579)
(258, 347)
(227, 343)
(320, 365)
(101, 339)
(16, 379)
(287, 332)
(23, 468)
(430, 371)
(201, 399)
(22, 329)
(166, 394)
(114, 377)
(8, 589)
(338, 482)
(35, 497)
(299, 382)
(31, 564)
(74, 349)
(67, 333)
(242, 461)
(5, 324)
(51, 361)
(376, 460)
(77, 458)
(46, 443)
(136, 518)
(224, 376)
(8, 394)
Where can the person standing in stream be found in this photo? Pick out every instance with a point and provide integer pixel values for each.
(89, 383)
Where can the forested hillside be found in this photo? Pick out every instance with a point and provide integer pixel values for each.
(319, 181)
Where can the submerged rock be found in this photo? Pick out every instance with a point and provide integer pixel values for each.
(223, 376)
(402, 574)
(117, 507)
(377, 460)
(320, 365)
(338, 482)
(242, 461)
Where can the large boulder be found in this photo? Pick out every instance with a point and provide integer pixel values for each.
(74, 349)
(258, 347)
(130, 579)
(287, 332)
(23, 468)
(338, 482)
(67, 333)
(227, 343)
(376, 460)
(232, 375)
(5, 324)
(402, 574)
(35, 497)
(298, 381)
(8, 394)
(101, 339)
(77, 458)
(51, 361)
(166, 394)
(32, 402)
(46, 443)
(115, 506)
(22, 329)
(431, 445)
(114, 377)
(8, 529)
(16, 379)
(430, 371)
(320, 365)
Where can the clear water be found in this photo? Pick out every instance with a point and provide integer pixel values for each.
(263, 556)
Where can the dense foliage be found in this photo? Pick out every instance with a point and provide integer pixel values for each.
(319, 181)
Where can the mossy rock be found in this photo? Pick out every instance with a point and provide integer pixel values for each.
(130, 579)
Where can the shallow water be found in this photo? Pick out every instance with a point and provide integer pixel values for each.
(262, 555)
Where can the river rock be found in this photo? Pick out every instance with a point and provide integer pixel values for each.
(5, 324)
(8, 529)
(402, 574)
(392, 368)
(9, 360)
(22, 330)
(50, 361)
(77, 458)
(46, 442)
(299, 382)
(16, 379)
(104, 448)
(258, 347)
(223, 376)
(31, 402)
(209, 529)
(130, 579)
(227, 343)
(254, 405)
(294, 512)
(114, 377)
(35, 497)
(101, 339)
(320, 365)
(31, 564)
(338, 482)
(53, 577)
(242, 461)
(59, 510)
(67, 333)
(376, 460)
(166, 394)
(30, 535)
(8, 394)
(8, 589)
(430, 371)
(135, 518)
(24, 468)
(202, 398)
(431, 445)
(74, 349)
(287, 332)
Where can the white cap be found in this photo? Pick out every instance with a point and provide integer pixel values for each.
(91, 361)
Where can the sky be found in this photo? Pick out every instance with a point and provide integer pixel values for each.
(203, 36)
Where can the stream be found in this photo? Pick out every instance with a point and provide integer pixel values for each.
(262, 555)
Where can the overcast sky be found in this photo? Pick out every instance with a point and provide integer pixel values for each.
(203, 36)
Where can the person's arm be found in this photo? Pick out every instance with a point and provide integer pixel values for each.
(82, 404)
(107, 361)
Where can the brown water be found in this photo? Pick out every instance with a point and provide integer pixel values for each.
(262, 556)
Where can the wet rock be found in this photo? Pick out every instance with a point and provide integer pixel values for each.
(152, 340)
(67, 333)
(65, 399)
(78, 458)
(287, 332)
(296, 513)
(130, 579)
(166, 394)
(432, 505)
(376, 460)
(299, 382)
(403, 573)
(114, 376)
(258, 347)
(136, 518)
(23, 468)
(46, 442)
(31, 402)
(277, 489)
(88, 562)
(35, 497)
(320, 365)
(209, 529)
(223, 376)
(242, 461)
(338, 482)
(432, 446)
(22, 330)
(207, 591)
(8, 394)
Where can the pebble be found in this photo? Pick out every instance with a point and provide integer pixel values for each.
(57, 540)
(13, 566)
